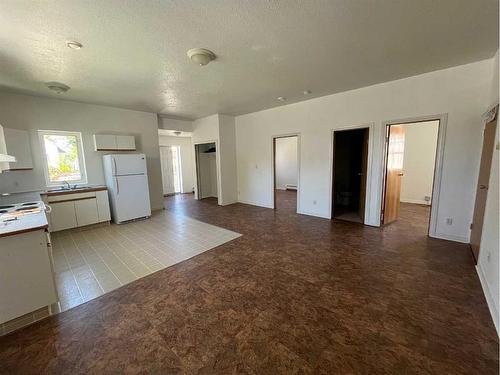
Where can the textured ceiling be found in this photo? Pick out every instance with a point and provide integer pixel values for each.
(134, 53)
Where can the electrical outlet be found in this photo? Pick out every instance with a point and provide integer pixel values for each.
(449, 221)
(488, 257)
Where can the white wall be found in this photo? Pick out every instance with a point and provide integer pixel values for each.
(419, 160)
(461, 92)
(187, 160)
(34, 113)
(175, 124)
(286, 162)
(489, 253)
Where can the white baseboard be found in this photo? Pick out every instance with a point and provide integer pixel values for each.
(302, 212)
(415, 201)
(450, 237)
(252, 203)
(489, 299)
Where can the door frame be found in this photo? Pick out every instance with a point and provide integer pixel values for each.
(273, 168)
(217, 165)
(438, 165)
(371, 127)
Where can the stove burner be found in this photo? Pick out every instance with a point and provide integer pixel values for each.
(3, 211)
(26, 208)
(7, 206)
(30, 204)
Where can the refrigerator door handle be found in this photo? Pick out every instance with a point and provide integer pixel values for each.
(114, 165)
(117, 186)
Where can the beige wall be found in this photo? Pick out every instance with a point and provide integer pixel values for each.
(34, 113)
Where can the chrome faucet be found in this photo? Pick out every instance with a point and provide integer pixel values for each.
(67, 183)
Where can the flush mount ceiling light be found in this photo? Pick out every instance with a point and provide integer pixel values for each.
(57, 87)
(281, 98)
(201, 56)
(74, 44)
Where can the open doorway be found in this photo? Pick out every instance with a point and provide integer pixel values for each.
(171, 169)
(409, 173)
(286, 172)
(206, 170)
(350, 164)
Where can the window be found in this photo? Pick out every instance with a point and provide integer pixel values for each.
(63, 157)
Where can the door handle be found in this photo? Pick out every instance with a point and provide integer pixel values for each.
(401, 174)
(114, 164)
(360, 174)
(117, 186)
(483, 187)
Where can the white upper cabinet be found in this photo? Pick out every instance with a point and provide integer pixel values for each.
(108, 142)
(18, 145)
(5, 159)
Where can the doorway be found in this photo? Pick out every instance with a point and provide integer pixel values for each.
(286, 172)
(350, 165)
(171, 169)
(482, 186)
(206, 170)
(409, 173)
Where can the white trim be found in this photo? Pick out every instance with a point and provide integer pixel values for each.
(438, 169)
(451, 237)
(489, 299)
(369, 167)
(81, 156)
(315, 214)
(253, 203)
(298, 166)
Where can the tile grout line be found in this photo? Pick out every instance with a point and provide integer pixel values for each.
(73, 275)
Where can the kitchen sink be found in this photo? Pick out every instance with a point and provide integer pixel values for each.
(68, 189)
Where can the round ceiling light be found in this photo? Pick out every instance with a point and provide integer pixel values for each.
(57, 87)
(201, 56)
(74, 45)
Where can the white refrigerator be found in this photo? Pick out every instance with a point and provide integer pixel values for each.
(127, 181)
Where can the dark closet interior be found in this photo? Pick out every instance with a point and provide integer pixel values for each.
(349, 174)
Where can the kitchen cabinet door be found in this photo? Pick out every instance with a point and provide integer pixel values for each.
(104, 142)
(125, 142)
(86, 212)
(18, 145)
(103, 206)
(63, 216)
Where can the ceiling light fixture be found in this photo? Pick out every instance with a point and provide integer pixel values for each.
(57, 87)
(201, 56)
(281, 98)
(74, 45)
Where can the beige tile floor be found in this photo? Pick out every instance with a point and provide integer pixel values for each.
(92, 262)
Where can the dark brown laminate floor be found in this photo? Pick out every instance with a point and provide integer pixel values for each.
(286, 200)
(294, 294)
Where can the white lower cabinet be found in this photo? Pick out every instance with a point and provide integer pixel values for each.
(78, 210)
(62, 216)
(86, 212)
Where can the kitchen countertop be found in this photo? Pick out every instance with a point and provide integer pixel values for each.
(86, 189)
(28, 222)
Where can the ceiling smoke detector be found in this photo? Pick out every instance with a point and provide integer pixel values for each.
(74, 44)
(57, 87)
(201, 56)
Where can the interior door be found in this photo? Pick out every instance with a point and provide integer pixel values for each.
(167, 170)
(482, 186)
(394, 173)
(362, 173)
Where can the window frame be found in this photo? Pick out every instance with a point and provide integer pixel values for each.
(81, 157)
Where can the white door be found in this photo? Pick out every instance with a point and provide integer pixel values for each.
(128, 164)
(131, 198)
(167, 170)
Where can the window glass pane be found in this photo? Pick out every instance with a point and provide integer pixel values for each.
(62, 157)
